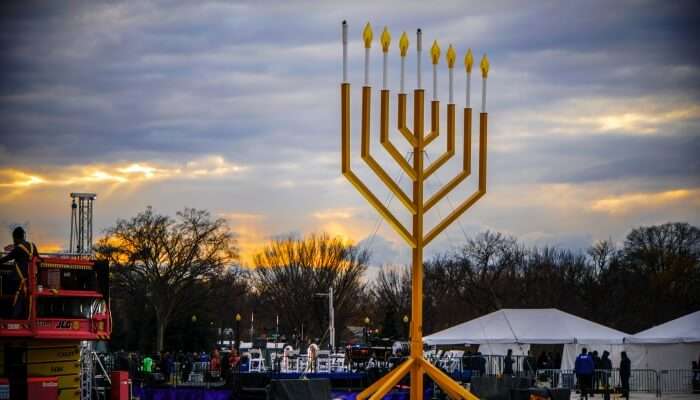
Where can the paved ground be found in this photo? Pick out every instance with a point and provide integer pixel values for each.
(649, 396)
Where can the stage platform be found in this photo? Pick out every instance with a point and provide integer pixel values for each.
(194, 393)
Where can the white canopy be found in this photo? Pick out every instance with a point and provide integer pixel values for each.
(531, 326)
(685, 329)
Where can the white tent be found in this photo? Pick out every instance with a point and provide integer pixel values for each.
(671, 345)
(685, 329)
(519, 328)
(527, 326)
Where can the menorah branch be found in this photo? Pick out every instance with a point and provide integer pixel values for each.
(466, 165)
(396, 376)
(373, 388)
(434, 123)
(450, 151)
(401, 121)
(356, 182)
(481, 190)
(384, 137)
(445, 382)
(367, 156)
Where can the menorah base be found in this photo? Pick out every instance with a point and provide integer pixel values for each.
(416, 367)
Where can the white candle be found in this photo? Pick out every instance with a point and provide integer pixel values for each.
(451, 57)
(345, 51)
(385, 40)
(367, 38)
(484, 73)
(483, 97)
(468, 62)
(403, 48)
(469, 83)
(452, 92)
(403, 72)
(366, 66)
(434, 81)
(384, 71)
(419, 47)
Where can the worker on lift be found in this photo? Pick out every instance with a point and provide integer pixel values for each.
(21, 252)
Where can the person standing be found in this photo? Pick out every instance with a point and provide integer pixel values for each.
(596, 367)
(215, 365)
(508, 363)
(625, 372)
(584, 369)
(22, 253)
(605, 366)
(187, 368)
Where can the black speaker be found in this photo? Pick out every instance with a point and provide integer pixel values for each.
(299, 389)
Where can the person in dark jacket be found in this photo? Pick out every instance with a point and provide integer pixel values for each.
(22, 253)
(594, 377)
(481, 363)
(625, 372)
(604, 374)
(508, 363)
(584, 369)
(529, 364)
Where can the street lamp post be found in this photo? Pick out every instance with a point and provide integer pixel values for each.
(366, 330)
(331, 316)
(405, 325)
(238, 332)
(194, 322)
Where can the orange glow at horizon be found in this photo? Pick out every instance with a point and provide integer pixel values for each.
(626, 203)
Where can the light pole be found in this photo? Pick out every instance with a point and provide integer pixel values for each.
(366, 330)
(238, 332)
(331, 316)
(405, 325)
(194, 322)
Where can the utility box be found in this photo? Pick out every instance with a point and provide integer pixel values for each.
(120, 385)
(43, 388)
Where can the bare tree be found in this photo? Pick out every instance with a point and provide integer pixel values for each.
(601, 253)
(160, 259)
(290, 270)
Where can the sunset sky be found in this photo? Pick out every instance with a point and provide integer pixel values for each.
(233, 107)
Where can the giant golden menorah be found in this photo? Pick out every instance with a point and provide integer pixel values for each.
(418, 172)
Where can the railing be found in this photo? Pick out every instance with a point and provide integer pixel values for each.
(678, 380)
(640, 380)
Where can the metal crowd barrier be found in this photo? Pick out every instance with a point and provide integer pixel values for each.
(677, 380)
(641, 380)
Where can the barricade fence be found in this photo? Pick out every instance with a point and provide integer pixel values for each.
(640, 380)
(679, 380)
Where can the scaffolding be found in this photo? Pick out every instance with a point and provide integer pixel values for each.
(81, 223)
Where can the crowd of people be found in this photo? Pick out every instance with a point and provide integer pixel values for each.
(588, 380)
(180, 367)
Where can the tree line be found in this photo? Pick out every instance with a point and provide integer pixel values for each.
(177, 282)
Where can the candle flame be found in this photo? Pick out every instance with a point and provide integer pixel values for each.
(451, 56)
(403, 44)
(469, 61)
(485, 67)
(367, 35)
(385, 39)
(435, 52)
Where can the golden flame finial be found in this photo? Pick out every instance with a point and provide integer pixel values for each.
(367, 35)
(435, 52)
(485, 66)
(385, 39)
(451, 56)
(469, 61)
(403, 44)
